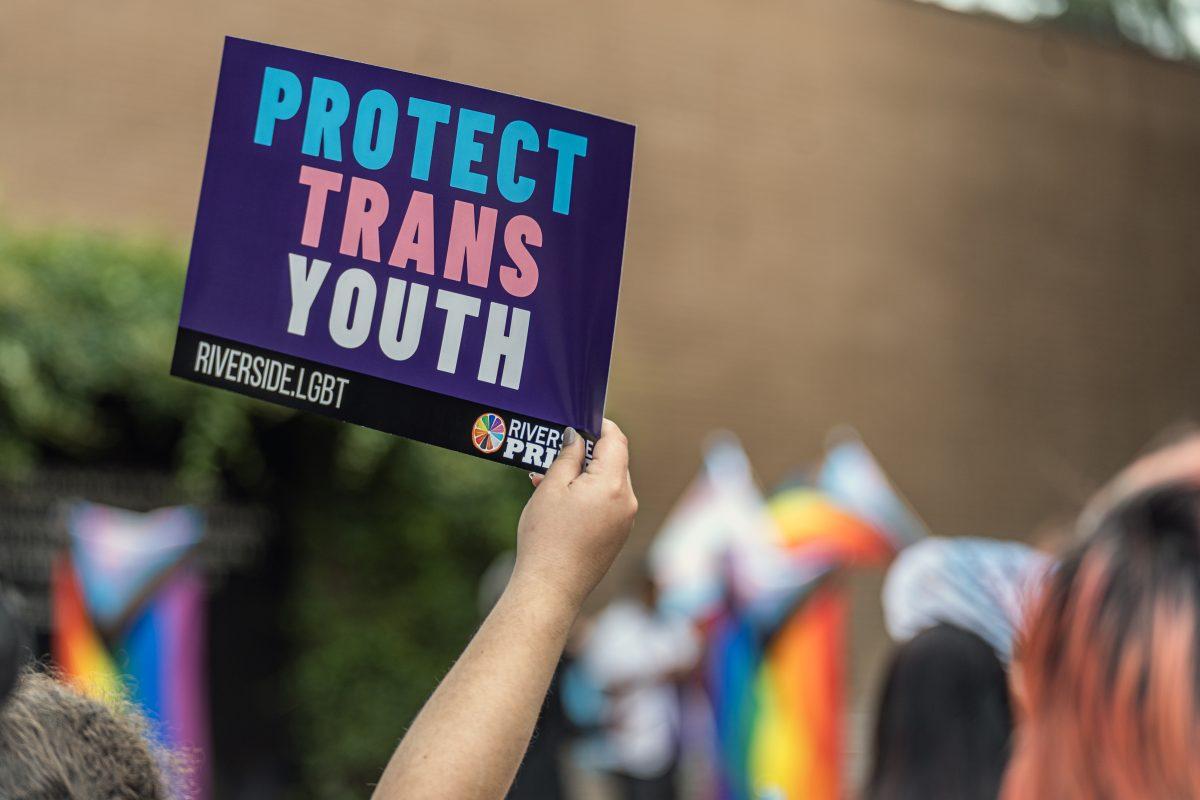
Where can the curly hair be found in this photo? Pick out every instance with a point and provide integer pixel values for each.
(56, 744)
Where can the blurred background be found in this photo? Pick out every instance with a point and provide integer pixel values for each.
(970, 235)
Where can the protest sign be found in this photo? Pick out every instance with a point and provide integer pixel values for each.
(423, 257)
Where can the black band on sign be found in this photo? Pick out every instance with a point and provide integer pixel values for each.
(442, 420)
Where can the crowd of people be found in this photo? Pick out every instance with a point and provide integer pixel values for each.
(1086, 688)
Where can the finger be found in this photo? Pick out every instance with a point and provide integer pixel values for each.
(610, 456)
(536, 479)
(569, 461)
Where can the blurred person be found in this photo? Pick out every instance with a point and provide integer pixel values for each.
(638, 655)
(56, 744)
(1107, 678)
(469, 738)
(944, 721)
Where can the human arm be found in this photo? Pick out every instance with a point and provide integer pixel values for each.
(468, 740)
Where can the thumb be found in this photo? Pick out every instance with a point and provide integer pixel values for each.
(569, 461)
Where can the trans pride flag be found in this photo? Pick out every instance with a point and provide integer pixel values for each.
(128, 617)
(760, 577)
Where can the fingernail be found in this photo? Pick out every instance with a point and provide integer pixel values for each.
(533, 476)
(569, 437)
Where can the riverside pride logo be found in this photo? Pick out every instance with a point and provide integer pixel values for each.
(419, 252)
(529, 444)
(411, 269)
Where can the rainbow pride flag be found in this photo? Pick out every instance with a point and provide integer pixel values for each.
(795, 747)
(128, 621)
(760, 577)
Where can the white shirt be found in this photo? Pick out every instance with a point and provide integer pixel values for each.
(631, 653)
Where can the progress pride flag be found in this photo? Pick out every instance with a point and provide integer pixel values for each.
(431, 259)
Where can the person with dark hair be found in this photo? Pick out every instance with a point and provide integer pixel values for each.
(944, 721)
(1108, 669)
(56, 744)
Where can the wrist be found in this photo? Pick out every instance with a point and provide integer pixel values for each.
(544, 594)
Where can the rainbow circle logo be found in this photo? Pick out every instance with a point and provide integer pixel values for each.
(488, 432)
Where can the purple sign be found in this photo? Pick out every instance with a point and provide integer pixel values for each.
(431, 259)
